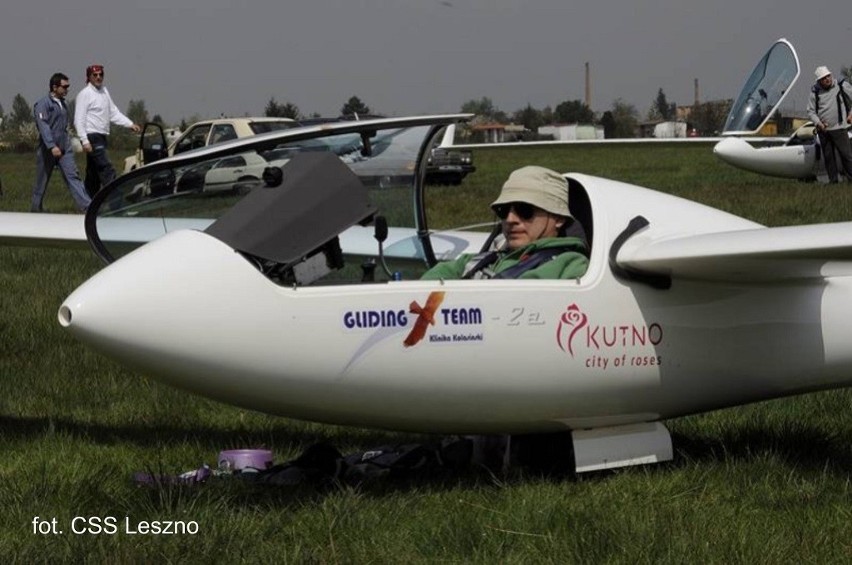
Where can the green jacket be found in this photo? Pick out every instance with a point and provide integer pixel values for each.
(568, 265)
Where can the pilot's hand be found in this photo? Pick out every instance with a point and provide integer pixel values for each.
(56, 152)
(849, 118)
(821, 126)
(135, 128)
(87, 147)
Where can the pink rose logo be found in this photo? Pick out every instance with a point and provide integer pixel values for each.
(571, 322)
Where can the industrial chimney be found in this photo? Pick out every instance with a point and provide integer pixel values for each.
(588, 87)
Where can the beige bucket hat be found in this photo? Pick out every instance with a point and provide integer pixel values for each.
(538, 186)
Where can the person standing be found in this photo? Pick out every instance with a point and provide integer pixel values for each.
(54, 146)
(830, 109)
(94, 112)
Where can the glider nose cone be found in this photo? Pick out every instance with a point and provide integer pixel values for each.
(176, 308)
(107, 306)
(93, 308)
(149, 300)
(733, 151)
(65, 315)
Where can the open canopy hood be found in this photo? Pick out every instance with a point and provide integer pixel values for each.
(764, 90)
(316, 198)
(290, 226)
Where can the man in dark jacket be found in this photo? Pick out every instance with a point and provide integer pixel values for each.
(54, 146)
(830, 109)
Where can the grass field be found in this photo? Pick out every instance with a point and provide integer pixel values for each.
(765, 483)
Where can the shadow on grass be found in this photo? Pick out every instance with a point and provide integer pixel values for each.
(250, 493)
(297, 434)
(308, 480)
(247, 491)
(236, 493)
(796, 444)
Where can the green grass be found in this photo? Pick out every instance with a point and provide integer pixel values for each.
(764, 483)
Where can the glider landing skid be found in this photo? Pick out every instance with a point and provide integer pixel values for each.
(621, 446)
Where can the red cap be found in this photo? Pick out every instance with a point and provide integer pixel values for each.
(93, 69)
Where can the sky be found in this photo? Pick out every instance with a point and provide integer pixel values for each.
(199, 59)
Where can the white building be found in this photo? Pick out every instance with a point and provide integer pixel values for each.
(571, 132)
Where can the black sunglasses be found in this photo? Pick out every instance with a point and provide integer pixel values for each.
(523, 210)
(97, 74)
(65, 86)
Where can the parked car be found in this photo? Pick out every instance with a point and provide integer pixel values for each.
(236, 173)
(200, 134)
(448, 166)
(444, 165)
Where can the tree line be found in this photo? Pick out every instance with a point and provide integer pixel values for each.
(18, 131)
(352, 107)
(620, 120)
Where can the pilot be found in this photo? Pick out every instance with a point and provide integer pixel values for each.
(830, 109)
(543, 241)
(533, 209)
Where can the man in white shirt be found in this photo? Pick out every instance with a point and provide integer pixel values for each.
(93, 114)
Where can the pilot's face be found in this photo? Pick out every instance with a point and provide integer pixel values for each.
(524, 223)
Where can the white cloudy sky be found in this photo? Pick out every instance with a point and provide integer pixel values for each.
(201, 58)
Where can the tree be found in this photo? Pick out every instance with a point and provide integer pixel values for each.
(482, 107)
(286, 110)
(20, 129)
(573, 112)
(709, 117)
(485, 110)
(136, 112)
(272, 108)
(22, 112)
(354, 106)
(661, 109)
(608, 123)
(2, 118)
(529, 117)
(846, 72)
(290, 111)
(625, 119)
(157, 119)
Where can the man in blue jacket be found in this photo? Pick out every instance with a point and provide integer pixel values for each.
(54, 146)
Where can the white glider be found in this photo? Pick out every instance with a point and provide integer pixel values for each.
(684, 309)
(799, 156)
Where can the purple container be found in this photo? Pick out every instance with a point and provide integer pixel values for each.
(245, 459)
